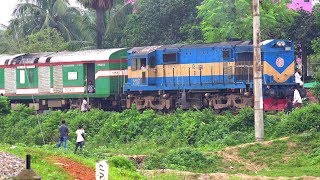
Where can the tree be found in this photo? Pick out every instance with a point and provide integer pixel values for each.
(46, 40)
(115, 23)
(7, 44)
(34, 15)
(163, 22)
(313, 35)
(100, 6)
(229, 19)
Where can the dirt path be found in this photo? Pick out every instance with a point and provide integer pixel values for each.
(75, 169)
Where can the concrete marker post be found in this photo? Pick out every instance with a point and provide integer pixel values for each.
(102, 170)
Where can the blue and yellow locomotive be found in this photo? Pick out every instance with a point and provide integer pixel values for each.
(218, 75)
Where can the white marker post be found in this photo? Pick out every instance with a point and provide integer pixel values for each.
(102, 170)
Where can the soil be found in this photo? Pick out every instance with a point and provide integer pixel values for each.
(77, 170)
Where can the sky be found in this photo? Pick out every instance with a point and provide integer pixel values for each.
(7, 7)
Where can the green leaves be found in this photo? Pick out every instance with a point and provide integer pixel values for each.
(164, 22)
(229, 19)
(46, 40)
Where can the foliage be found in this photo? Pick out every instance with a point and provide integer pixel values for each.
(185, 159)
(4, 106)
(46, 40)
(100, 7)
(304, 30)
(115, 25)
(299, 121)
(168, 139)
(7, 43)
(164, 22)
(122, 163)
(292, 157)
(230, 19)
(33, 16)
(314, 59)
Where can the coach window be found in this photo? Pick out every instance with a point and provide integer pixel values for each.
(22, 76)
(170, 58)
(31, 75)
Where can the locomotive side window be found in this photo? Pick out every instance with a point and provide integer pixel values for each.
(133, 64)
(226, 54)
(170, 58)
(137, 63)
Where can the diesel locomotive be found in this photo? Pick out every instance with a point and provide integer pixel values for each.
(216, 75)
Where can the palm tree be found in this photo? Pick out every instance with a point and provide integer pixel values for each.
(33, 15)
(100, 6)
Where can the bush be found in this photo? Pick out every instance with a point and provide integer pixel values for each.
(185, 159)
(122, 163)
(300, 120)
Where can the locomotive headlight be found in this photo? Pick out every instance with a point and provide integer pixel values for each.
(207, 95)
(281, 43)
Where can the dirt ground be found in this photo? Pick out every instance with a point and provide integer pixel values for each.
(75, 169)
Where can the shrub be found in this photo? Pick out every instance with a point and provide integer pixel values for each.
(122, 163)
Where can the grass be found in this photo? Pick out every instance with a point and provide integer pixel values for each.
(44, 167)
(39, 163)
(297, 156)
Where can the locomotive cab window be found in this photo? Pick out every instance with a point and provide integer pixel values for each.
(152, 62)
(137, 63)
(226, 54)
(170, 58)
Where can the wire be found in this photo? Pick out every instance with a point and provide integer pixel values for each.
(28, 80)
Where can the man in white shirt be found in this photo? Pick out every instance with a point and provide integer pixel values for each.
(297, 100)
(84, 105)
(143, 67)
(297, 77)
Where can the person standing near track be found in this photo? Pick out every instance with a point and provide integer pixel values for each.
(63, 130)
(80, 138)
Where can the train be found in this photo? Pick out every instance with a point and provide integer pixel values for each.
(165, 77)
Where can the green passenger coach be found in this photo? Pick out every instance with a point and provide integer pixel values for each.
(61, 79)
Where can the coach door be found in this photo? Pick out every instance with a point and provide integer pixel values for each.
(90, 76)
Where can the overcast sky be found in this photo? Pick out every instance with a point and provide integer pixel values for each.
(7, 6)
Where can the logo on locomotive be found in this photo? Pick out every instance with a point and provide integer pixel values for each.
(280, 62)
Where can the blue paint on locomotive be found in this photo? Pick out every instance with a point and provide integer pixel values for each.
(226, 65)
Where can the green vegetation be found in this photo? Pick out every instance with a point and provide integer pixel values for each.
(292, 157)
(182, 140)
(42, 159)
